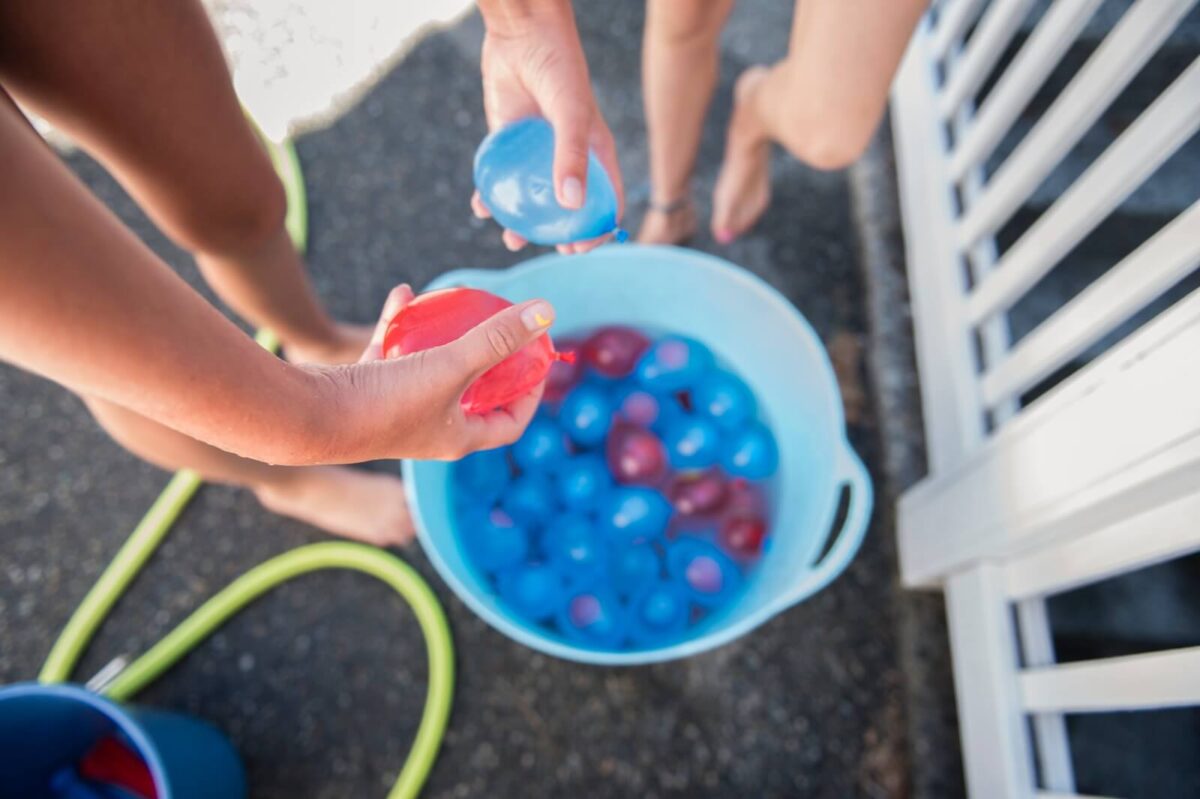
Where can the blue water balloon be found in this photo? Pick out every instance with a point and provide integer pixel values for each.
(634, 404)
(482, 476)
(708, 575)
(541, 447)
(725, 399)
(632, 514)
(673, 363)
(494, 539)
(751, 453)
(593, 615)
(659, 613)
(632, 568)
(534, 590)
(530, 499)
(514, 174)
(692, 442)
(586, 415)
(575, 547)
(582, 481)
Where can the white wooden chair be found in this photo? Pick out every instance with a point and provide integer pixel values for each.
(1099, 476)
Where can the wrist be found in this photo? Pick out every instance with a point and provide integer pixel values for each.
(328, 417)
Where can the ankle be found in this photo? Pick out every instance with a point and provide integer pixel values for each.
(747, 128)
(669, 196)
(677, 206)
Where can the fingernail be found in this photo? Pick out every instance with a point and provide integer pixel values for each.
(572, 193)
(538, 316)
(724, 236)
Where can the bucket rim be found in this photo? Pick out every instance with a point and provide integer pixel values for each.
(111, 710)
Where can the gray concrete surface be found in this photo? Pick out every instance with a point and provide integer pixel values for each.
(321, 684)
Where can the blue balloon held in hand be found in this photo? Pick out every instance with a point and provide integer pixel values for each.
(514, 174)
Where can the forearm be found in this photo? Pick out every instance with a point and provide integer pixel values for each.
(86, 304)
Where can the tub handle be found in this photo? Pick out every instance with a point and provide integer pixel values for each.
(846, 540)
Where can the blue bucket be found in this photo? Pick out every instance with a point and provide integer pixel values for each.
(46, 729)
(747, 324)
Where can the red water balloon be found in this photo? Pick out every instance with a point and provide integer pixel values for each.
(697, 495)
(564, 372)
(440, 317)
(745, 498)
(635, 455)
(743, 536)
(614, 351)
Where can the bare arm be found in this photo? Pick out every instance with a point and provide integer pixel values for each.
(86, 304)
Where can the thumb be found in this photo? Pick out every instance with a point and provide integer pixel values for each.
(572, 121)
(495, 339)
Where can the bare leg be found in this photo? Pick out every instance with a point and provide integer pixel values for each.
(143, 86)
(822, 103)
(679, 74)
(338, 499)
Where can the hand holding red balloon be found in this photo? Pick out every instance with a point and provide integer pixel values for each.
(454, 371)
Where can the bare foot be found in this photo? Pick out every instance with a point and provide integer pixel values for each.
(743, 189)
(346, 346)
(353, 503)
(671, 223)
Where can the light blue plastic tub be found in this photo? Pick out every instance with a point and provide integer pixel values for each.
(748, 325)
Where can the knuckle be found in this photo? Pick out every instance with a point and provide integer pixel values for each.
(502, 340)
(576, 152)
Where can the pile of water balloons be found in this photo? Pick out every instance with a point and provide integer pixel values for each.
(635, 504)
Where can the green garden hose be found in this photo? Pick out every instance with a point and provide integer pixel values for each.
(154, 526)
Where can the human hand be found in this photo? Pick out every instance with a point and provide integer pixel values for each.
(409, 407)
(533, 65)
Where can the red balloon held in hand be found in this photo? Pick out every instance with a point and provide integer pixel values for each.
(440, 317)
(635, 455)
(614, 351)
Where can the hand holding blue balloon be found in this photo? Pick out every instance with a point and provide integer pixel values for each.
(514, 178)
